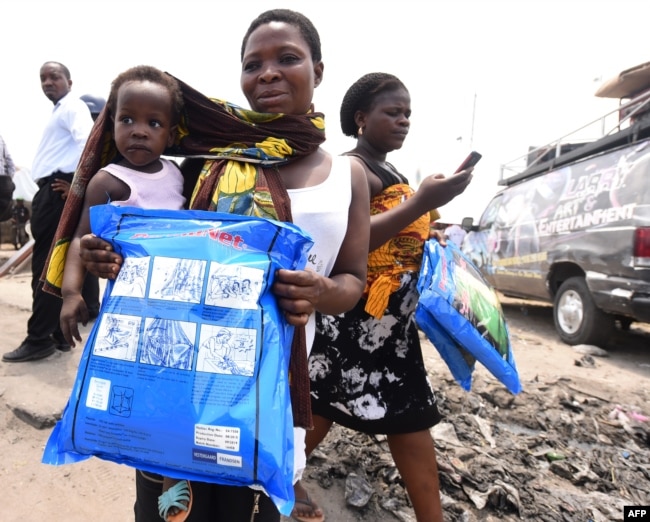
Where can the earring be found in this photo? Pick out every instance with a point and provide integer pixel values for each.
(360, 131)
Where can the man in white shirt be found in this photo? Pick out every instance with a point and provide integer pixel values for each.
(54, 164)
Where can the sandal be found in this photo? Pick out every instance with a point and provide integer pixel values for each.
(174, 504)
(313, 506)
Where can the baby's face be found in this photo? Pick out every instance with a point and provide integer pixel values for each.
(143, 125)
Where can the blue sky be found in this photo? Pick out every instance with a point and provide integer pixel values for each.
(500, 75)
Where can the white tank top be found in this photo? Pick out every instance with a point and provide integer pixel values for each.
(162, 189)
(322, 211)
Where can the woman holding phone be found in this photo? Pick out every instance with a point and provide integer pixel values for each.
(366, 367)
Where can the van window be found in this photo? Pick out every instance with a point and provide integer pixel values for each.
(490, 214)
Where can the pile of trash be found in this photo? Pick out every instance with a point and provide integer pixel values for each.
(551, 453)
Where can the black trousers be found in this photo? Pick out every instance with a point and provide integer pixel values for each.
(211, 502)
(47, 207)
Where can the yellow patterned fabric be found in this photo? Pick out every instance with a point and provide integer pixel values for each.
(237, 190)
(402, 253)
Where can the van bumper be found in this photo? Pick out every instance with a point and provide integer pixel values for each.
(621, 296)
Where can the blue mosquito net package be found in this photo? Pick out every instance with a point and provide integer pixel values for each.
(461, 315)
(185, 372)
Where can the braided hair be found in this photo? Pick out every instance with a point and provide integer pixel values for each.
(362, 95)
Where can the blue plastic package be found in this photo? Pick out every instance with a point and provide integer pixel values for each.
(185, 372)
(461, 315)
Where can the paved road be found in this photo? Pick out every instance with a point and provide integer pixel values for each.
(35, 394)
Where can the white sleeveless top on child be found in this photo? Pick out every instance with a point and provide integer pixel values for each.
(162, 189)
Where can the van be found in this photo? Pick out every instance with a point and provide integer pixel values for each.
(573, 227)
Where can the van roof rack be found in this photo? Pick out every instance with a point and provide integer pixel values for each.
(632, 88)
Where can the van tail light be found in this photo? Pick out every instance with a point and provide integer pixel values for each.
(642, 246)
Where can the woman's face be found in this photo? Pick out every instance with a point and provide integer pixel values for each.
(278, 73)
(387, 123)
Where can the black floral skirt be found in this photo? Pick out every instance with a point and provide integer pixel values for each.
(368, 374)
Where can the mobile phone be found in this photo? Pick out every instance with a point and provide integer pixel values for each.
(471, 160)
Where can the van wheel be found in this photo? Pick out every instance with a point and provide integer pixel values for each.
(576, 317)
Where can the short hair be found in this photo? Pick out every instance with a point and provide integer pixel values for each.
(362, 95)
(147, 73)
(298, 20)
(66, 71)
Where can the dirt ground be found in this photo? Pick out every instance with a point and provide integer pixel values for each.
(572, 446)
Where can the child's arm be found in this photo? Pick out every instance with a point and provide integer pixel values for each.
(102, 188)
(74, 308)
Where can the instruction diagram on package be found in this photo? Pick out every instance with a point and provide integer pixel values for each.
(167, 343)
(226, 350)
(174, 279)
(173, 343)
(132, 279)
(233, 286)
(117, 337)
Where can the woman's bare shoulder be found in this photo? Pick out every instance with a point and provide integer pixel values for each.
(306, 172)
